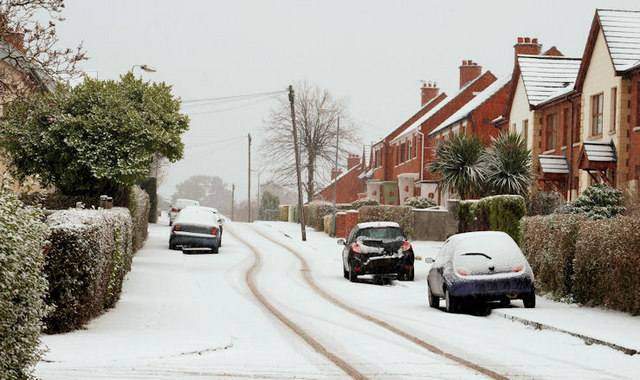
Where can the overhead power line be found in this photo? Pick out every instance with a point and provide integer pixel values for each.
(232, 98)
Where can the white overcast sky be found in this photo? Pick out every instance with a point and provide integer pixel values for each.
(371, 53)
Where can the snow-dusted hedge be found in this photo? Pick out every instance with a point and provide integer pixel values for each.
(543, 202)
(597, 202)
(364, 202)
(403, 215)
(549, 243)
(91, 251)
(284, 213)
(496, 213)
(139, 207)
(606, 264)
(315, 212)
(328, 221)
(420, 202)
(23, 285)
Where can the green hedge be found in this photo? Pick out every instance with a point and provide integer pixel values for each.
(91, 251)
(496, 213)
(607, 264)
(403, 215)
(420, 202)
(549, 243)
(284, 213)
(363, 202)
(315, 212)
(139, 208)
(23, 286)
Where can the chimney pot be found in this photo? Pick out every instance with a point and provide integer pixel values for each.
(527, 40)
(520, 40)
(535, 40)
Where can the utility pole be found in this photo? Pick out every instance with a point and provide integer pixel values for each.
(295, 147)
(335, 183)
(249, 177)
(233, 195)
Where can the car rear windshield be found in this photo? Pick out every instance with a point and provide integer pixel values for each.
(477, 254)
(385, 233)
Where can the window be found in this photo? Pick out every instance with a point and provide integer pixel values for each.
(403, 151)
(552, 126)
(377, 159)
(410, 149)
(525, 129)
(614, 106)
(596, 114)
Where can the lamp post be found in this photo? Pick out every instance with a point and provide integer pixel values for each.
(335, 177)
(144, 67)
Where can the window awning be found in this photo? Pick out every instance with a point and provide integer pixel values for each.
(551, 164)
(599, 160)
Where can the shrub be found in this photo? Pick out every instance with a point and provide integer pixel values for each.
(23, 286)
(543, 202)
(549, 243)
(139, 208)
(284, 213)
(328, 221)
(315, 212)
(596, 202)
(363, 202)
(90, 254)
(496, 213)
(420, 202)
(403, 215)
(606, 264)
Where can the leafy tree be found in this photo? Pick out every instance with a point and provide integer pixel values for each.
(508, 165)
(99, 136)
(597, 202)
(316, 134)
(208, 190)
(460, 162)
(268, 203)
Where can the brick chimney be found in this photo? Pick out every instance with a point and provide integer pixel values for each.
(333, 173)
(352, 161)
(528, 46)
(428, 92)
(469, 71)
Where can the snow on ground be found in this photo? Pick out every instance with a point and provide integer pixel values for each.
(193, 316)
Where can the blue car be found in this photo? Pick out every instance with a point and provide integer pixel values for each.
(480, 266)
(195, 229)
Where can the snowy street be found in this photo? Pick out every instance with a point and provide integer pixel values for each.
(271, 306)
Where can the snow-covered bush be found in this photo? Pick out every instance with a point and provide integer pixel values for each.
(597, 202)
(139, 207)
(91, 251)
(314, 213)
(606, 264)
(549, 243)
(23, 285)
(284, 212)
(364, 202)
(543, 202)
(496, 213)
(420, 202)
(403, 215)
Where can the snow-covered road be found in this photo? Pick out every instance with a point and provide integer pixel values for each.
(184, 316)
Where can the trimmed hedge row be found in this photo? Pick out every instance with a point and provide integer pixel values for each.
(284, 213)
(403, 215)
(496, 213)
(91, 251)
(315, 212)
(23, 286)
(139, 207)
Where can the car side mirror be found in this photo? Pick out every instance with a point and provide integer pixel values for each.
(342, 242)
(429, 260)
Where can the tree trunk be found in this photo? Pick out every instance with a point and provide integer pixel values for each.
(310, 176)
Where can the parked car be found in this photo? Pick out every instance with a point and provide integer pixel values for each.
(195, 229)
(377, 248)
(480, 266)
(219, 219)
(179, 205)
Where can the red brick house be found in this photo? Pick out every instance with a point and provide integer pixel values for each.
(349, 183)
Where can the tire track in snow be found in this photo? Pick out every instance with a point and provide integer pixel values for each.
(306, 274)
(250, 280)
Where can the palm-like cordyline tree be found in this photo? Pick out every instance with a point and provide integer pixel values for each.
(460, 162)
(508, 165)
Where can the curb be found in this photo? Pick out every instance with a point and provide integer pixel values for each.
(587, 339)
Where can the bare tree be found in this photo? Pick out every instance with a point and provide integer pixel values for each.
(29, 55)
(316, 134)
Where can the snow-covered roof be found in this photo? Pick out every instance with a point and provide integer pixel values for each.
(410, 129)
(378, 225)
(621, 30)
(600, 152)
(473, 104)
(545, 77)
(553, 164)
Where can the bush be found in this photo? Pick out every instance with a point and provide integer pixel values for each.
(543, 202)
(315, 212)
(23, 286)
(597, 202)
(606, 264)
(403, 215)
(420, 202)
(328, 221)
(139, 208)
(496, 213)
(91, 251)
(284, 213)
(549, 243)
(363, 202)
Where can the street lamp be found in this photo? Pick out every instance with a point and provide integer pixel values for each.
(145, 67)
(335, 177)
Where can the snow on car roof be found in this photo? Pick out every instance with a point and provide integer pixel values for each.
(196, 215)
(378, 225)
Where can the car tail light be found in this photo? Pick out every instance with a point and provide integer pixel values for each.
(174, 209)
(355, 247)
(406, 246)
(214, 231)
(177, 227)
(519, 269)
(462, 272)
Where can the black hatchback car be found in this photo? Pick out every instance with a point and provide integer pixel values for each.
(377, 248)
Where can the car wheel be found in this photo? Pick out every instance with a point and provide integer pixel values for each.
(172, 246)
(434, 301)
(505, 301)
(353, 276)
(411, 274)
(345, 273)
(452, 303)
(170, 222)
(215, 249)
(529, 300)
